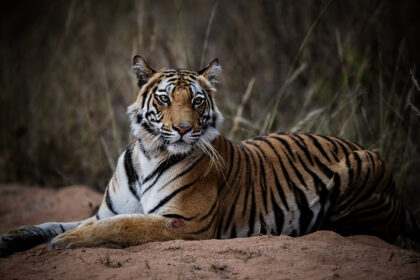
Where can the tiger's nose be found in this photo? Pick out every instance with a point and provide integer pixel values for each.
(182, 128)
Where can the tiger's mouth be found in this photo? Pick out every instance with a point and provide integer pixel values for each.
(179, 147)
(181, 143)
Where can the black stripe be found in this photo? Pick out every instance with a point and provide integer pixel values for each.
(147, 128)
(131, 173)
(206, 228)
(263, 182)
(323, 196)
(139, 118)
(262, 176)
(233, 232)
(143, 150)
(318, 146)
(369, 211)
(172, 160)
(362, 188)
(353, 146)
(239, 162)
(334, 145)
(344, 149)
(155, 118)
(373, 216)
(304, 148)
(231, 165)
(334, 193)
(350, 172)
(165, 165)
(254, 164)
(369, 192)
(297, 172)
(251, 220)
(318, 183)
(306, 214)
(212, 208)
(231, 211)
(149, 98)
(327, 172)
(213, 120)
(209, 97)
(337, 187)
(278, 214)
(109, 202)
(284, 143)
(263, 226)
(97, 216)
(143, 101)
(377, 211)
(238, 192)
(170, 196)
(285, 173)
(259, 148)
(280, 189)
(359, 165)
(192, 166)
(62, 228)
(178, 217)
(371, 160)
(247, 182)
(150, 113)
(340, 140)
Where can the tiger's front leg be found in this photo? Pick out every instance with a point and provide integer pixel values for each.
(125, 230)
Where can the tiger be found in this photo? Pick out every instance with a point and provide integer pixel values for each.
(181, 179)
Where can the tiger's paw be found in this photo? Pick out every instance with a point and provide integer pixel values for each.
(80, 237)
(70, 240)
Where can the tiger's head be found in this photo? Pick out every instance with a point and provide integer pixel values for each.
(175, 110)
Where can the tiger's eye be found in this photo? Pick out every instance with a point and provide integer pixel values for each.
(198, 101)
(164, 98)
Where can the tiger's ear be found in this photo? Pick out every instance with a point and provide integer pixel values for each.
(211, 72)
(142, 70)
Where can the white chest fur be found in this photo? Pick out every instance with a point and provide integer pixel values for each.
(160, 177)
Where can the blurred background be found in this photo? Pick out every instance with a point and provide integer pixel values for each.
(343, 68)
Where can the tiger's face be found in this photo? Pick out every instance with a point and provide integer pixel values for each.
(175, 110)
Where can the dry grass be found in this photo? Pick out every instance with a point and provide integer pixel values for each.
(329, 67)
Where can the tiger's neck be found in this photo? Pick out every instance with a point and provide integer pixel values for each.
(217, 163)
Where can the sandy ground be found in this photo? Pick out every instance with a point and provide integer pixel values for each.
(321, 255)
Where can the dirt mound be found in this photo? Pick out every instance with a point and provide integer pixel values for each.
(321, 255)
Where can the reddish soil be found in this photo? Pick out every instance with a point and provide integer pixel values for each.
(321, 255)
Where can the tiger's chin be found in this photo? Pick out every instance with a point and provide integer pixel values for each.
(179, 148)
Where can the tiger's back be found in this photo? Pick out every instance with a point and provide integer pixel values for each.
(297, 183)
